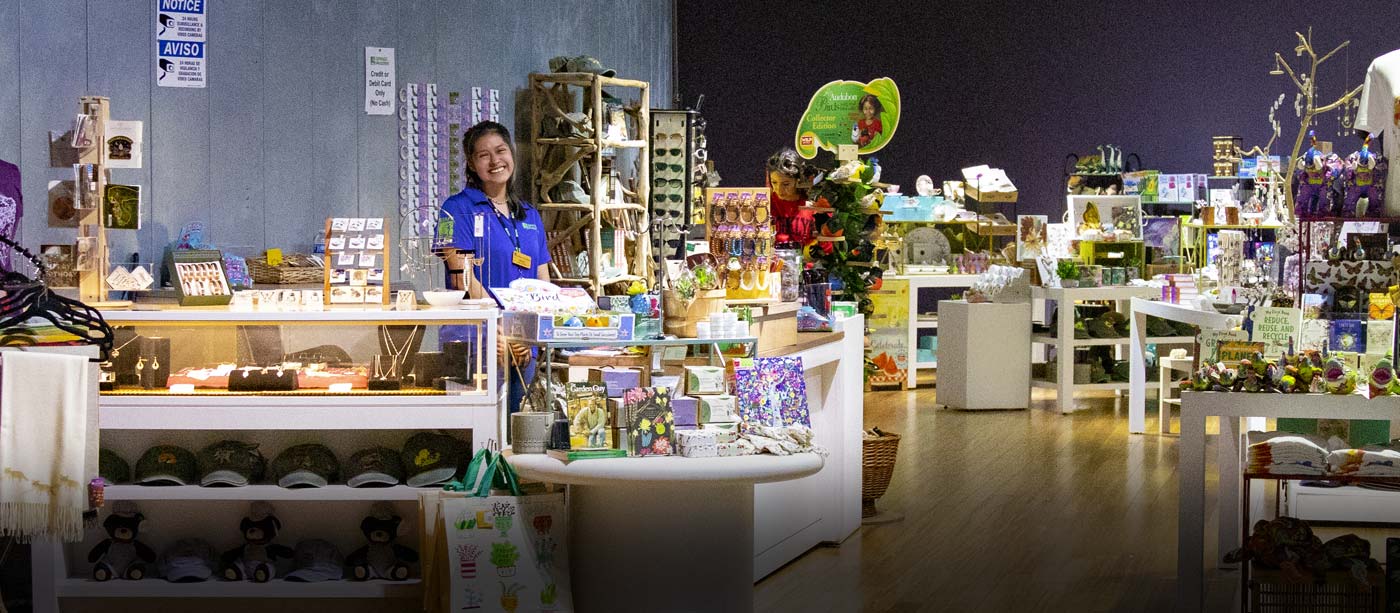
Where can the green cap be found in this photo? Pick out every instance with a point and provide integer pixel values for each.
(112, 468)
(374, 466)
(167, 465)
(231, 463)
(431, 458)
(306, 465)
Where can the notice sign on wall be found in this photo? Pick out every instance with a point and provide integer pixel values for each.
(379, 81)
(181, 27)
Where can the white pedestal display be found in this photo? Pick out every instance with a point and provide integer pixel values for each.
(984, 355)
(639, 527)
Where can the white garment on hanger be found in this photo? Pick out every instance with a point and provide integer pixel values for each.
(1379, 115)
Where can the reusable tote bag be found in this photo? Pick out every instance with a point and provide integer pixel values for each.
(504, 553)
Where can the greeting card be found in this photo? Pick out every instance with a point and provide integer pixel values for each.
(648, 421)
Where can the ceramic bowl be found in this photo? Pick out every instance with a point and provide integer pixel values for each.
(443, 298)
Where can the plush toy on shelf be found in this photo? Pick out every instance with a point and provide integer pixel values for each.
(256, 559)
(121, 555)
(1339, 378)
(381, 558)
(1310, 183)
(1364, 177)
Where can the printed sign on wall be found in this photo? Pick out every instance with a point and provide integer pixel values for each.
(379, 80)
(849, 113)
(181, 27)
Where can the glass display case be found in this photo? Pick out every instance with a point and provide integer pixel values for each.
(315, 353)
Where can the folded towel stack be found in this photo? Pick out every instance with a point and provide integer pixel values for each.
(1285, 453)
(1372, 462)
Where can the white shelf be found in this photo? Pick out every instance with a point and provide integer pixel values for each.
(262, 492)
(927, 324)
(224, 316)
(1047, 339)
(933, 364)
(1117, 292)
(1042, 383)
(277, 588)
(294, 412)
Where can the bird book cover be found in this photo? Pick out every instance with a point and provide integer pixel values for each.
(589, 427)
(121, 207)
(648, 421)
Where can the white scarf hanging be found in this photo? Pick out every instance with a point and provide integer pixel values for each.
(44, 410)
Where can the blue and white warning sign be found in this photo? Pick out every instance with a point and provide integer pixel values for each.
(181, 27)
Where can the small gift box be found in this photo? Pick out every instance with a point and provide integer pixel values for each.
(724, 432)
(697, 438)
(701, 380)
(728, 450)
(618, 380)
(713, 409)
(685, 408)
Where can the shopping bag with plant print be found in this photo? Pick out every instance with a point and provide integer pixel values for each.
(505, 553)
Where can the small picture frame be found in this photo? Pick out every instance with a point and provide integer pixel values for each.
(374, 294)
(347, 295)
(357, 224)
(359, 277)
(339, 276)
(339, 224)
(376, 275)
(374, 223)
(367, 260)
(345, 260)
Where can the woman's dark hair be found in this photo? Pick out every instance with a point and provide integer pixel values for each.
(873, 100)
(476, 133)
(787, 162)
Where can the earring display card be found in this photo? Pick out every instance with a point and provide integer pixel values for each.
(200, 278)
(154, 362)
(358, 250)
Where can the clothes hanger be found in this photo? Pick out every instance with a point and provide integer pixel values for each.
(25, 299)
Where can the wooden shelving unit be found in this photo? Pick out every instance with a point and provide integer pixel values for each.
(578, 227)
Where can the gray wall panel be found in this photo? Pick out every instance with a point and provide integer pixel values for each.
(279, 140)
(119, 67)
(53, 74)
(9, 80)
(236, 191)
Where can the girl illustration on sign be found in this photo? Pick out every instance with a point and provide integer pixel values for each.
(869, 125)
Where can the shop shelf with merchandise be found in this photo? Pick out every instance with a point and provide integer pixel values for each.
(133, 418)
(1064, 343)
(919, 323)
(275, 589)
(1238, 413)
(1141, 309)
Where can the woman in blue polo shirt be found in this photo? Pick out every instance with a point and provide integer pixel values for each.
(512, 244)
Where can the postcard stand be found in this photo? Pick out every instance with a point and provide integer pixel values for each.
(92, 287)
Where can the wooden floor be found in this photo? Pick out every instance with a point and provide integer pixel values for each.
(1007, 511)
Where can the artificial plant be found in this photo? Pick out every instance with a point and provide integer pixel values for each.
(849, 222)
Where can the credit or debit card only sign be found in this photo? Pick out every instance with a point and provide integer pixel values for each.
(181, 39)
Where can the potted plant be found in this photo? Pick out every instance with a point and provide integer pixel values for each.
(1068, 272)
(503, 557)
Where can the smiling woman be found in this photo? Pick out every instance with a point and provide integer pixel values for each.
(493, 224)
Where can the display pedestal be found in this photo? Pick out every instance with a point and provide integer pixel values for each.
(639, 527)
(984, 355)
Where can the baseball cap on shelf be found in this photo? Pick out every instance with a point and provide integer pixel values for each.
(306, 465)
(188, 561)
(112, 468)
(317, 560)
(167, 465)
(430, 458)
(231, 463)
(374, 466)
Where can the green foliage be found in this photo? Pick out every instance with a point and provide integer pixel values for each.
(848, 221)
(504, 554)
(1067, 269)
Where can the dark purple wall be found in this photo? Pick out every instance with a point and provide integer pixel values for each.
(1019, 84)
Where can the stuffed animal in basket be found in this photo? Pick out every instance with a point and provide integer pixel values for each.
(121, 555)
(381, 558)
(256, 559)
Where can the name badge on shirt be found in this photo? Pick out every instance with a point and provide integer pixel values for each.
(520, 259)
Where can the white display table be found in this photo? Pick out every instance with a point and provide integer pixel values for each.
(1064, 342)
(1233, 409)
(916, 283)
(1137, 365)
(658, 524)
(984, 349)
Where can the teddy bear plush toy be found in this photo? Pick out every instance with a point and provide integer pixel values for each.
(121, 554)
(381, 558)
(256, 559)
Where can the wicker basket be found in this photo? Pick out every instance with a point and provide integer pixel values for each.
(877, 460)
(1269, 592)
(681, 318)
(286, 274)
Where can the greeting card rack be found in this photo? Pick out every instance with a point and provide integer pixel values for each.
(92, 235)
(595, 138)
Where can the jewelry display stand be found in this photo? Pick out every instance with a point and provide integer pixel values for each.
(553, 159)
(92, 287)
